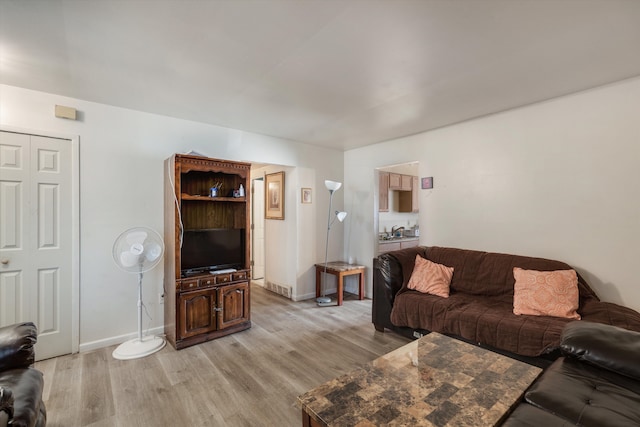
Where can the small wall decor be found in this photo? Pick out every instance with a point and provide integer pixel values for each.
(274, 202)
(427, 182)
(306, 195)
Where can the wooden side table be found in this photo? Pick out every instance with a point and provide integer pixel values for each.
(340, 269)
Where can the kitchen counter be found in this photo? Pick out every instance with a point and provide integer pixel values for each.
(397, 239)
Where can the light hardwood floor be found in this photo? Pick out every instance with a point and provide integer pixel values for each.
(251, 378)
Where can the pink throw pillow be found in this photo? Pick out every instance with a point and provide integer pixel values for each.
(430, 278)
(546, 293)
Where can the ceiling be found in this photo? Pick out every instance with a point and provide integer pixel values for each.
(340, 74)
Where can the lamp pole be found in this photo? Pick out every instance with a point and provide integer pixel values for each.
(324, 299)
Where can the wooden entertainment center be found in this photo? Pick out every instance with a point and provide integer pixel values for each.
(205, 303)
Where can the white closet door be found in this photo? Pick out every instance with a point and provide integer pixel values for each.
(35, 238)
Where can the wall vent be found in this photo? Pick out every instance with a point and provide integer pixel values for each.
(285, 291)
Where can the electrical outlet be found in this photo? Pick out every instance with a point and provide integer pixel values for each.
(161, 298)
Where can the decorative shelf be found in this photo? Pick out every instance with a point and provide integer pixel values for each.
(213, 199)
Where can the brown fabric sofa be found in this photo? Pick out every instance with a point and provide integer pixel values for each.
(480, 306)
(20, 384)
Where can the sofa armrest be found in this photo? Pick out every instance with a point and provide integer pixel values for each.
(16, 345)
(606, 346)
(396, 267)
(6, 406)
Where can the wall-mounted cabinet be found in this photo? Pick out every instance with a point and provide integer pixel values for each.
(407, 192)
(206, 279)
(399, 182)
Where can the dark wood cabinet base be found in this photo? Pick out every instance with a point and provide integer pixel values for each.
(197, 339)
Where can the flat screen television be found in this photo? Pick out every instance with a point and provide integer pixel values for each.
(212, 249)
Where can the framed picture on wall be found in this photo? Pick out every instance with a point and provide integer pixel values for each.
(306, 195)
(427, 183)
(274, 201)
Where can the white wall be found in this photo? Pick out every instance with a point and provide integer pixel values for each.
(558, 179)
(121, 185)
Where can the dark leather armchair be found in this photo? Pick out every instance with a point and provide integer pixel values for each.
(20, 384)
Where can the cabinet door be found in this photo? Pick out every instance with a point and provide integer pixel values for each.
(405, 182)
(383, 200)
(395, 181)
(234, 301)
(197, 312)
(409, 244)
(388, 247)
(408, 200)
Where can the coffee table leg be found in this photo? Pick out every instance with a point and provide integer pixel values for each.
(361, 290)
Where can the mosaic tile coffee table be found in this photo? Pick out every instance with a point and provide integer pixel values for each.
(433, 381)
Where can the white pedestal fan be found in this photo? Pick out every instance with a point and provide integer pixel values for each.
(138, 250)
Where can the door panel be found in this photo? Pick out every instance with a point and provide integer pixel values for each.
(197, 315)
(10, 212)
(48, 301)
(234, 300)
(11, 295)
(14, 231)
(35, 238)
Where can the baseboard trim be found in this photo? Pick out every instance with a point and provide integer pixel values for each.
(106, 342)
(312, 295)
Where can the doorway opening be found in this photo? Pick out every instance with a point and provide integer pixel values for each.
(396, 217)
(257, 230)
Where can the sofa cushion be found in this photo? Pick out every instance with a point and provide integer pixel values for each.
(526, 415)
(491, 274)
(586, 395)
(430, 277)
(606, 346)
(489, 321)
(546, 293)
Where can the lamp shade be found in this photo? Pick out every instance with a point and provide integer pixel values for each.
(332, 185)
(341, 216)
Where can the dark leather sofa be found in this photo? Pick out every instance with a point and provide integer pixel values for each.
(596, 383)
(20, 384)
(480, 306)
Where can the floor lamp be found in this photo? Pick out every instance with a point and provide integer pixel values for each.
(332, 186)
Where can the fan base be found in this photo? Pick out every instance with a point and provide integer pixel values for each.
(324, 301)
(134, 349)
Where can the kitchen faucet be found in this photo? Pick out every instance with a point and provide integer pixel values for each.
(395, 229)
